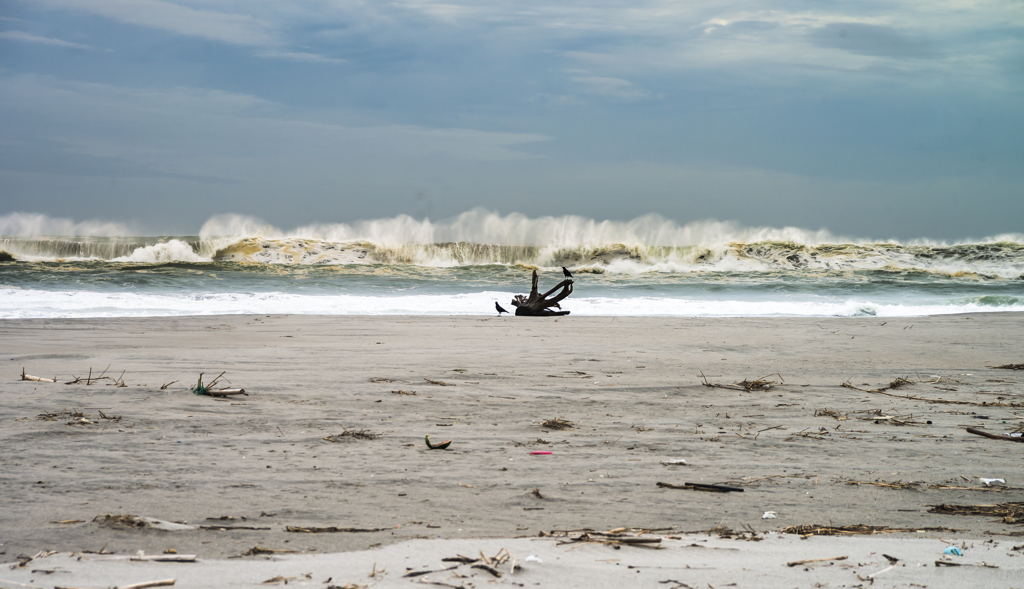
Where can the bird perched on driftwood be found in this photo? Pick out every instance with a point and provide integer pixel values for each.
(566, 272)
(498, 307)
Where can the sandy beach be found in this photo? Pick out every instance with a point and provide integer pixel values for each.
(331, 435)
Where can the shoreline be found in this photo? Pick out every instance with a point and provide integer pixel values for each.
(632, 387)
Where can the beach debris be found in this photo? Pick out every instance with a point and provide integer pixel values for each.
(401, 392)
(985, 434)
(702, 487)
(258, 550)
(1010, 513)
(164, 386)
(90, 379)
(128, 521)
(442, 446)
(533, 558)
(990, 481)
(226, 528)
(676, 462)
(440, 383)
(1009, 367)
(616, 538)
(808, 530)
(770, 515)
(557, 423)
(952, 550)
(285, 580)
(378, 379)
(540, 453)
(763, 383)
(353, 435)
(35, 378)
(539, 305)
(143, 585)
(903, 382)
(810, 560)
(893, 485)
(208, 390)
(332, 530)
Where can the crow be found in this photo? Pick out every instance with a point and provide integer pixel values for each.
(566, 272)
(498, 307)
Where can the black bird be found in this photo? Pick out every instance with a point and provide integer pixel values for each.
(498, 307)
(566, 272)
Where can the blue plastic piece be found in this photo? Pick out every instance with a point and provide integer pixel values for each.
(953, 550)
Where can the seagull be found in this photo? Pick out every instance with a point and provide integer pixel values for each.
(498, 307)
(566, 272)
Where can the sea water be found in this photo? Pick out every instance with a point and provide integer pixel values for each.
(402, 266)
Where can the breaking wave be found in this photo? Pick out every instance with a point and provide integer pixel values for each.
(646, 244)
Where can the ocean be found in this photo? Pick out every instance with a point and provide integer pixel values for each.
(649, 266)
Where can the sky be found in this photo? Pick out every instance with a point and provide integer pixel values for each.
(894, 119)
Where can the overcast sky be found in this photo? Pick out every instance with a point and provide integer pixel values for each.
(899, 118)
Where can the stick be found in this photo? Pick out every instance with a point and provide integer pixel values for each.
(168, 384)
(226, 392)
(985, 434)
(810, 560)
(35, 378)
(927, 400)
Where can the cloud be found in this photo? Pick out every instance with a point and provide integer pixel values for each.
(236, 29)
(28, 38)
(300, 57)
(615, 88)
(875, 40)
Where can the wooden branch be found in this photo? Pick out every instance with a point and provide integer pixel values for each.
(810, 560)
(34, 378)
(227, 392)
(985, 434)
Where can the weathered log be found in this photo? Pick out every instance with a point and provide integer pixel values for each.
(35, 378)
(538, 305)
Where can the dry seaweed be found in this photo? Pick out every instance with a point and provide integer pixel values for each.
(893, 485)
(854, 530)
(558, 423)
(1013, 511)
(1009, 367)
(353, 434)
(758, 384)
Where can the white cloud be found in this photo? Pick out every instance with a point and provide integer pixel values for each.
(611, 87)
(236, 29)
(28, 38)
(299, 56)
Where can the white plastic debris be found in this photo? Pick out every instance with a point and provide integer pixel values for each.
(676, 462)
(990, 481)
(532, 558)
(769, 515)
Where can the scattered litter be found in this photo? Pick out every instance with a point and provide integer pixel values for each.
(810, 560)
(953, 550)
(207, 390)
(702, 487)
(532, 558)
(770, 515)
(442, 446)
(990, 481)
(558, 423)
(126, 521)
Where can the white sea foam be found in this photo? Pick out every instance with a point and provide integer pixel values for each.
(174, 250)
(29, 303)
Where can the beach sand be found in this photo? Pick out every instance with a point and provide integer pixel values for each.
(632, 387)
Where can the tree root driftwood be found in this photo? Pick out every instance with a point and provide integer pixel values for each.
(539, 305)
(208, 390)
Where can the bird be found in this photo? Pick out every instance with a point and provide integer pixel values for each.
(498, 307)
(566, 272)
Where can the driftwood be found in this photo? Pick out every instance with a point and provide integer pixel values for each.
(208, 390)
(539, 305)
(35, 378)
(985, 434)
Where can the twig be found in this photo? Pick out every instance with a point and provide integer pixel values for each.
(810, 560)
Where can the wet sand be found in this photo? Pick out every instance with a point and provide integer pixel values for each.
(632, 387)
